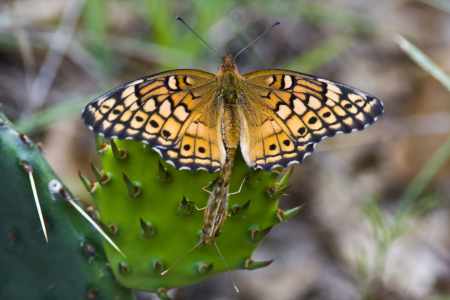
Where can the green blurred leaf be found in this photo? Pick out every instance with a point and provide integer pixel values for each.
(68, 110)
(320, 54)
(326, 15)
(423, 61)
(421, 180)
(96, 26)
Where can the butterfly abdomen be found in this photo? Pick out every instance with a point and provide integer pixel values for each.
(216, 209)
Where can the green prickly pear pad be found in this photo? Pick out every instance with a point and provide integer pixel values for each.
(149, 205)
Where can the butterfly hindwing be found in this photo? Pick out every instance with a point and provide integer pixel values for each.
(159, 110)
(310, 108)
(201, 146)
(264, 144)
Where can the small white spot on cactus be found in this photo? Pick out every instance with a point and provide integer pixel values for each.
(54, 186)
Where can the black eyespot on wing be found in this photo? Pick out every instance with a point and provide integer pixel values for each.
(273, 147)
(116, 111)
(187, 147)
(139, 119)
(286, 142)
(165, 133)
(302, 130)
(327, 114)
(201, 150)
(154, 124)
(312, 120)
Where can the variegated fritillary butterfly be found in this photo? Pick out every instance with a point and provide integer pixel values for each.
(189, 116)
(195, 120)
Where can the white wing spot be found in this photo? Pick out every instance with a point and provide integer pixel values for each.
(283, 111)
(136, 82)
(355, 97)
(180, 113)
(131, 99)
(165, 109)
(314, 103)
(150, 106)
(173, 83)
(287, 82)
(127, 92)
(299, 107)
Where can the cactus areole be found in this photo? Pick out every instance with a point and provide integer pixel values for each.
(195, 121)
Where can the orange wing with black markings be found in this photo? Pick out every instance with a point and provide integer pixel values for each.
(282, 114)
(264, 144)
(292, 110)
(162, 110)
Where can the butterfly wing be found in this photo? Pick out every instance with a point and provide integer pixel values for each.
(264, 144)
(306, 108)
(162, 110)
(201, 147)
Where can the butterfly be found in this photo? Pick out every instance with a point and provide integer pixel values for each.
(196, 120)
(191, 117)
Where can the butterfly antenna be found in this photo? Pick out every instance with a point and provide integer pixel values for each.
(234, 286)
(165, 272)
(182, 21)
(276, 23)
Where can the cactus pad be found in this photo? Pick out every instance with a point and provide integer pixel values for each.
(151, 207)
(72, 264)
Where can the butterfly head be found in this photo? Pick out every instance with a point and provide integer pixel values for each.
(228, 66)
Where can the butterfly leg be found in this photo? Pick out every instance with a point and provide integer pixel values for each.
(209, 193)
(235, 193)
(205, 190)
(209, 187)
(199, 209)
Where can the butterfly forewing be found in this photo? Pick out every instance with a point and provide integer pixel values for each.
(296, 110)
(170, 110)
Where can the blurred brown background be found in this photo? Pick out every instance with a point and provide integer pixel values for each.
(376, 222)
